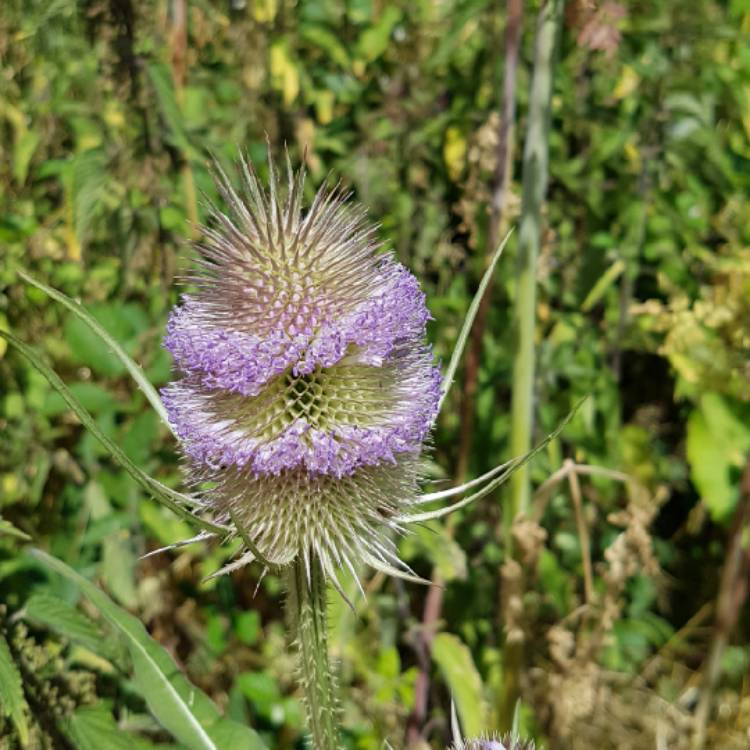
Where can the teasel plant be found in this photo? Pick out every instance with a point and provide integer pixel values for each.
(303, 401)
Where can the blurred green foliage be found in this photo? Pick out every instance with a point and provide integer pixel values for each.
(110, 111)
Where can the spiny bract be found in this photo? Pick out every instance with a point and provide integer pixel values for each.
(493, 742)
(306, 390)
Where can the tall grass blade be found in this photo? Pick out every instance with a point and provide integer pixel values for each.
(471, 313)
(132, 367)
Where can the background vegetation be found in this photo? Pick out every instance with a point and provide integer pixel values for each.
(625, 583)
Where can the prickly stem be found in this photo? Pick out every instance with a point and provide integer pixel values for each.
(308, 623)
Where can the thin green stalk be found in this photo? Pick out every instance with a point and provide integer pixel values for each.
(535, 160)
(309, 625)
(535, 163)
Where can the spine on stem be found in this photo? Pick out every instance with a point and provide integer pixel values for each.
(309, 626)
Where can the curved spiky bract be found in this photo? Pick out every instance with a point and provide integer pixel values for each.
(494, 742)
(306, 391)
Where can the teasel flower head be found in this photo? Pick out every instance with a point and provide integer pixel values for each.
(305, 389)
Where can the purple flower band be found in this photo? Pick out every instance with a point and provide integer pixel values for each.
(338, 451)
(243, 363)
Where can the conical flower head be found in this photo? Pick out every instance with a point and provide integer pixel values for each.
(305, 388)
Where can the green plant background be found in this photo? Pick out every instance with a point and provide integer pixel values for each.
(107, 127)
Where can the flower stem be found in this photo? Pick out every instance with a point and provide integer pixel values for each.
(308, 623)
(535, 162)
(535, 168)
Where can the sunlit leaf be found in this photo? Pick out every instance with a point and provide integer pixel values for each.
(717, 442)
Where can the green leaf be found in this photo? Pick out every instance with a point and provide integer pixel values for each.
(64, 619)
(87, 179)
(456, 665)
(139, 435)
(374, 41)
(87, 349)
(263, 692)
(556, 583)
(247, 627)
(112, 345)
(12, 700)
(118, 568)
(717, 442)
(709, 467)
(163, 526)
(600, 288)
(326, 40)
(187, 713)
(172, 499)
(432, 541)
(22, 153)
(94, 728)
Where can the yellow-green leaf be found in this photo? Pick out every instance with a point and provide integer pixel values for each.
(284, 73)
